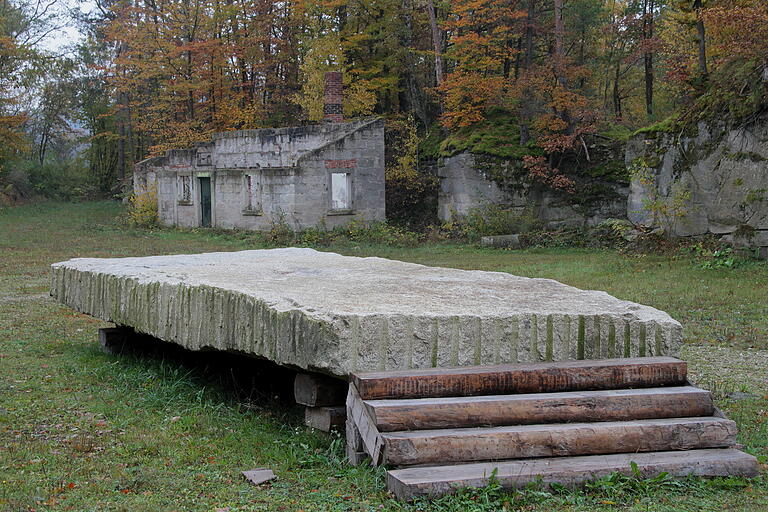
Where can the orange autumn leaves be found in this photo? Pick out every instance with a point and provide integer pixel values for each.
(492, 46)
(186, 68)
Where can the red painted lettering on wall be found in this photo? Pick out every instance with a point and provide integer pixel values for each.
(341, 164)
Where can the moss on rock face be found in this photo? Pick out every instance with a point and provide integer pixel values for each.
(668, 125)
(498, 135)
(741, 156)
(496, 141)
(508, 174)
(611, 170)
(596, 163)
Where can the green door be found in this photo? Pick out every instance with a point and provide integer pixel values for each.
(205, 202)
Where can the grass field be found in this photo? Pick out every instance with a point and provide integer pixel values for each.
(85, 431)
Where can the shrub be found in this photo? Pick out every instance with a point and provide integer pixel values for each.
(379, 233)
(67, 180)
(14, 186)
(280, 233)
(489, 220)
(715, 256)
(318, 236)
(142, 208)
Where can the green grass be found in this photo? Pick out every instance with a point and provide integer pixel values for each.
(85, 431)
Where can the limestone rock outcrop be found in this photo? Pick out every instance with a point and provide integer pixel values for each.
(714, 181)
(466, 185)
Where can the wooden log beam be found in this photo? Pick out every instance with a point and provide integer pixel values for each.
(645, 372)
(555, 440)
(325, 418)
(528, 409)
(316, 390)
(370, 436)
(355, 450)
(410, 483)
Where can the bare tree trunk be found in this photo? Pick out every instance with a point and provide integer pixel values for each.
(43, 146)
(121, 137)
(529, 17)
(527, 107)
(437, 41)
(702, 39)
(559, 58)
(412, 89)
(648, 14)
(559, 37)
(617, 93)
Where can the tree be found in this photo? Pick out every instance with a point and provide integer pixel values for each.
(649, 44)
(688, 13)
(15, 54)
(325, 53)
(482, 49)
(437, 41)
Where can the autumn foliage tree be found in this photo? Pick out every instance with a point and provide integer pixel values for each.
(740, 60)
(186, 68)
(497, 62)
(561, 70)
(13, 54)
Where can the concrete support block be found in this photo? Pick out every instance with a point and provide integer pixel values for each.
(501, 241)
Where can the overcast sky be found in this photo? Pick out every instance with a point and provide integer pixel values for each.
(67, 34)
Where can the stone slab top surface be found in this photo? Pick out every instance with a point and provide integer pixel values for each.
(338, 314)
(325, 282)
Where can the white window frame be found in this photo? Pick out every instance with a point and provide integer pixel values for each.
(337, 206)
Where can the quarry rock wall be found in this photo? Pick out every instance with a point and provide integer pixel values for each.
(713, 181)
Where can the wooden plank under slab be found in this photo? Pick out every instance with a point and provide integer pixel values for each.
(355, 449)
(555, 440)
(315, 390)
(533, 408)
(410, 483)
(366, 429)
(644, 372)
(325, 418)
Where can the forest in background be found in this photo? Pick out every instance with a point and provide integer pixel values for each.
(529, 80)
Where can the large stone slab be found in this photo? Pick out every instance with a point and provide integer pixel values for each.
(337, 314)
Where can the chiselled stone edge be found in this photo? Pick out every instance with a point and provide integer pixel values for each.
(205, 317)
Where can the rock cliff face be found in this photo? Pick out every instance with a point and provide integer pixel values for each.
(466, 184)
(714, 181)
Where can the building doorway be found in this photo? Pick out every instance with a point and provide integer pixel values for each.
(205, 202)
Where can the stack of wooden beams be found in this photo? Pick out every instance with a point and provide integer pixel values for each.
(323, 398)
(566, 422)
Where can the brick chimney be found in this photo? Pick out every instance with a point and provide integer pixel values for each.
(333, 110)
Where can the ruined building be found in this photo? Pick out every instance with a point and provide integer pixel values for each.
(329, 173)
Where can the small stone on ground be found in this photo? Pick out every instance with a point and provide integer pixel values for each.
(259, 475)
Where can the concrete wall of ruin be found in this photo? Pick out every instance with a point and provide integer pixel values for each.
(464, 187)
(290, 167)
